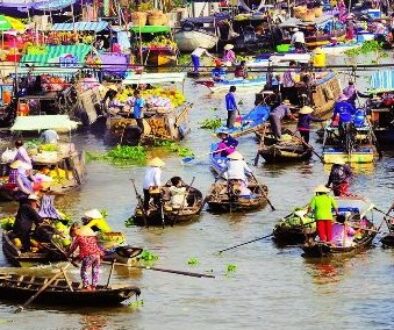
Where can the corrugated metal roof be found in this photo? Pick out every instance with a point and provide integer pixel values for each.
(80, 26)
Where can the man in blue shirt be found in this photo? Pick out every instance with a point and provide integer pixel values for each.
(138, 113)
(344, 110)
(231, 106)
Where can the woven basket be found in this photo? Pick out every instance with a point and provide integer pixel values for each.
(157, 19)
(139, 18)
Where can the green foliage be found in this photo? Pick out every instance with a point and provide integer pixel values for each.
(367, 47)
(231, 268)
(136, 153)
(147, 255)
(211, 123)
(175, 147)
(129, 222)
(7, 223)
(136, 304)
(193, 261)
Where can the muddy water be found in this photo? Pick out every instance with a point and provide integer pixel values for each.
(271, 288)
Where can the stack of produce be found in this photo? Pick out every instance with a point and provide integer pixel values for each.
(53, 84)
(161, 42)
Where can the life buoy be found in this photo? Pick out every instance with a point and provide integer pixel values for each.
(188, 26)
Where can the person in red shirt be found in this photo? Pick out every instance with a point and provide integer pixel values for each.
(89, 252)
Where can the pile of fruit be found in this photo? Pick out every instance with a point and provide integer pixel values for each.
(161, 42)
(158, 126)
(53, 84)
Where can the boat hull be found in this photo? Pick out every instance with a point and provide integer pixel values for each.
(188, 41)
(284, 154)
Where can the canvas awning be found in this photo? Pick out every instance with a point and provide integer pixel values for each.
(153, 78)
(39, 123)
(80, 26)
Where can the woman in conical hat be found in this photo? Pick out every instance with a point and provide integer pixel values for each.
(304, 122)
(152, 182)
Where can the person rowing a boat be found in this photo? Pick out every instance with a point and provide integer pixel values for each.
(304, 122)
(322, 205)
(227, 145)
(95, 220)
(237, 172)
(152, 183)
(339, 178)
(276, 117)
(343, 112)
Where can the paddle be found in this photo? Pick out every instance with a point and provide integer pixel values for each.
(164, 270)
(41, 290)
(263, 192)
(308, 146)
(248, 242)
(256, 159)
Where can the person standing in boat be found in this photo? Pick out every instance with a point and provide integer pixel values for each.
(322, 205)
(304, 122)
(298, 40)
(289, 90)
(276, 117)
(138, 110)
(26, 216)
(152, 183)
(196, 56)
(21, 154)
(343, 112)
(339, 178)
(237, 172)
(229, 56)
(231, 107)
(90, 253)
(350, 92)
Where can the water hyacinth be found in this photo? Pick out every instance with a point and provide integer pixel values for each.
(211, 123)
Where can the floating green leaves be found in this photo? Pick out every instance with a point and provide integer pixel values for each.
(147, 255)
(121, 155)
(129, 222)
(231, 268)
(193, 261)
(175, 147)
(136, 304)
(366, 48)
(211, 123)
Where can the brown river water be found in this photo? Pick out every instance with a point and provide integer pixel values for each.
(272, 287)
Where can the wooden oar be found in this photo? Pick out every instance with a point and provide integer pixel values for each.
(41, 290)
(308, 146)
(248, 242)
(164, 270)
(263, 192)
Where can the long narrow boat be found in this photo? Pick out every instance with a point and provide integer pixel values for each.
(283, 152)
(50, 254)
(19, 288)
(298, 226)
(358, 209)
(170, 215)
(220, 200)
(217, 162)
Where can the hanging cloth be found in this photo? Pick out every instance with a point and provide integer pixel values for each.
(47, 208)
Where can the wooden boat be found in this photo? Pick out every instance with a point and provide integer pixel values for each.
(171, 215)
(224, 85)
(50, 254)
(388, 240)
(357, 208)
(217, 162)
(19, 288)
(278, 60)
(295, 228)
(283, 152)
(218, 198)
(188, 41)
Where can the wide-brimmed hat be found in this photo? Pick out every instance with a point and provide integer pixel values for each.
(236, 155)
(156, 162)
(296, 29)
(222, 130)
(286, 102)
(85, 231)
(305, 110)
(228, 47)
(321, 188)
(93, 214)
(339, 162)
(19, 164)
(33, 197)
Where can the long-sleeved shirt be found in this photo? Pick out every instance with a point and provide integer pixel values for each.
(199, 52)
(237, 169)
(345, 111)
(152, 177)
(304, 122)
(88, 246)
(23, 156)
(25, 218)
(231, 104)
(281, 111)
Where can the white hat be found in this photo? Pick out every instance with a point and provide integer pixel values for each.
(235, 156)
(296, 29)
(321, 188)
(33, 197)
(156, 162)
(286, 102)
(305, 110)
(228, 47)
(93, 214)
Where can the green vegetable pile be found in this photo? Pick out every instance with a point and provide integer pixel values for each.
(211, 123)
(7, 223)
(193, 261)
(121, 155)
(174, 147)
(367, 47)
(147, 255)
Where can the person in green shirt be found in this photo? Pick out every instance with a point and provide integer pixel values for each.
(322, 205)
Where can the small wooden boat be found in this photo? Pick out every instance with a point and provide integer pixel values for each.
(217, 162)
(388, 240)
(220, 86)
(295, 228)
(283, 152)
(169, 214)
(47, 253)
(219, 199)
(19, 288)
(357, 208)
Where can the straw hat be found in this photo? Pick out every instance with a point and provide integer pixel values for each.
(33, 197)
(228, 47)
(305, 110)
(156, 162)
(286, 102)
(19, 164)
(93, 214)
(339, 162)
(321, 188)
(85, 231)
(235, 156)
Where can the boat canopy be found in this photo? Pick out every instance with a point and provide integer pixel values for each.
(39, 123)
(153, 78)
(80, 26)
(382, 81)
(150, 29)
(295, 22)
